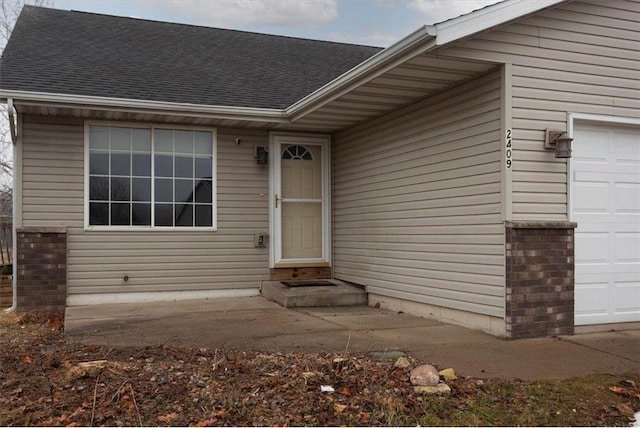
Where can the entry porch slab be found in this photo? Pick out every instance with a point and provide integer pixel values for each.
(329, 292)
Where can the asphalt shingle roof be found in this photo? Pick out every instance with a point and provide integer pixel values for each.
(82, 53)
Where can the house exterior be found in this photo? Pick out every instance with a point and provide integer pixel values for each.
(160, 161)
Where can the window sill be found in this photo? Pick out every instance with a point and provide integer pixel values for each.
(149, 229)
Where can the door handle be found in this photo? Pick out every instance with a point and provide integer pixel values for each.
(276, 200)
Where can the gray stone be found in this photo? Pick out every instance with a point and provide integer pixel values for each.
(425, 375)
(440, 389)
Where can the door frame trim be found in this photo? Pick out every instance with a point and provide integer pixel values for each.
(275, 249)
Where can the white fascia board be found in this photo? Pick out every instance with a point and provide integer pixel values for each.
(487, 18)
(144, 106)
(415, 43)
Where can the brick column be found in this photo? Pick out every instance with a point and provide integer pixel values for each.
(42, 269)
(539, 279)
(6, 291)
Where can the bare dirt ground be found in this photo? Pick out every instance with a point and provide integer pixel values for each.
(47, 380)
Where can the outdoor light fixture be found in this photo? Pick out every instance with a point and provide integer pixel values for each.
(558, 140)
(262, 155)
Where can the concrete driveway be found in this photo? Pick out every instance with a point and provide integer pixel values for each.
(254, 323)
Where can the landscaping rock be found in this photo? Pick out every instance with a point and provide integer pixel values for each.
(448, 374)
(425, 375)
(402, 363)
(440, 389)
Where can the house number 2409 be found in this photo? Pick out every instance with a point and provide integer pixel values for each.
(507, 150)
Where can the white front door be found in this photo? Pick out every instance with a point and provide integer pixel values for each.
(605, 202)
(300, 200)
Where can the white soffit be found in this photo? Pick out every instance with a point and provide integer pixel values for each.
(417, 78)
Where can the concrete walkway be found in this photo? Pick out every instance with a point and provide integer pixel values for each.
(254, 323)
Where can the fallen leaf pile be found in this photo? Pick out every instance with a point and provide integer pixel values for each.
(47, 380)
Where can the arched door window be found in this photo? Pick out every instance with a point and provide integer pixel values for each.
(297, 152)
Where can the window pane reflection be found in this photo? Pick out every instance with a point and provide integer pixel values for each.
(184, 215)
(99, 188)
(141, 214)
(120, 214)
(184, 191)
(98, 213)
(164, 214)
(203, 191)
(120, 190)
(204, 216)
(164, 190)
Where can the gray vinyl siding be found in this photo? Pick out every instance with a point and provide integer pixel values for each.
(582, 57)
(417, 201)
(53, 180)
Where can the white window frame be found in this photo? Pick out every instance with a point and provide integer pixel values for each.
(152, 127)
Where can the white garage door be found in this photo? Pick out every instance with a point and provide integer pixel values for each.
(606, 206)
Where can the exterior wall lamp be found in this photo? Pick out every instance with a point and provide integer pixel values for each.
(558, 141)
(262, 155)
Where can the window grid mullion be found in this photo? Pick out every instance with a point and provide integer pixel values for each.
(193, 179)
(173, 179)
(153, 176)
(109, 181)
(131, 179)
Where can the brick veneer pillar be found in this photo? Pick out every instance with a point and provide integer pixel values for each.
(539, 279)
(42, 269)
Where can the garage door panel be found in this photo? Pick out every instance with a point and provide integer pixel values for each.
(626, 149)
(594, 298)
(631, 177)
(591, 197)
(591, 248)
(626, 297)
(627, 198)
(627, 248)
(590, 148)
(606, 205)
(605, 318)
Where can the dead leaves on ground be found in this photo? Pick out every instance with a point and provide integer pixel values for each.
(628, 388)
(45, 380)
(71, 385)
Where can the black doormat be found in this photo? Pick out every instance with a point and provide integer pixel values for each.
(307, 283)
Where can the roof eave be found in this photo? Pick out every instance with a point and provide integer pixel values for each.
(415, 43)
(144, 106)
(420, 41)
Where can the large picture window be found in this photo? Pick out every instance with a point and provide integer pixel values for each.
(153, 177)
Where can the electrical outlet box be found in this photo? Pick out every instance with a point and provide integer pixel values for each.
(260, 239)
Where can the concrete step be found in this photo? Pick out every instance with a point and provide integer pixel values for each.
(304, 294)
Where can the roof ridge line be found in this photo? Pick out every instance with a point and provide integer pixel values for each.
(182, 24)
